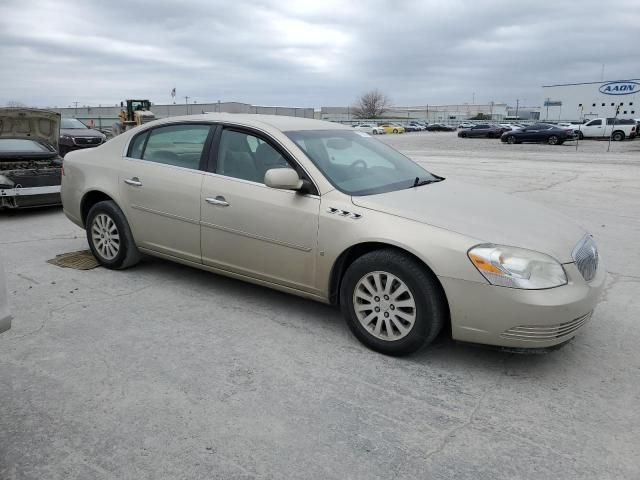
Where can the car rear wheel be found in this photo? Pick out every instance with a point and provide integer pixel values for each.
(463, 135)
(109, 236)
(553, 140)
(511, 139)
(395, 130)
(391, 303)
(617, 136)
(580, 136)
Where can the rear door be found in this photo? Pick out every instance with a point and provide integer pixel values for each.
(251, 229)
(160, 190)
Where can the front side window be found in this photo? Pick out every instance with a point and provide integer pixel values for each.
(177, 145)
(247, 157)
(358, 164)
(594, 123)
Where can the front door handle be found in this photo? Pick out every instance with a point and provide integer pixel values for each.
(134, 182)
(219, 201)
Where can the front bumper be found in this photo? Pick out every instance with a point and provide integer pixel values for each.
(510, 317)
(30, 196)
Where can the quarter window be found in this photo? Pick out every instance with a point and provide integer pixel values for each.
(245, 156)
(136, 147)
(178, 145)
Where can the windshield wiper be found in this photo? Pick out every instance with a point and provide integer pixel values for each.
(418, 183)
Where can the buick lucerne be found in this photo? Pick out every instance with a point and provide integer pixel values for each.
(320, 210)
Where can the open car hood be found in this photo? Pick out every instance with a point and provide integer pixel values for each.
(30, 123)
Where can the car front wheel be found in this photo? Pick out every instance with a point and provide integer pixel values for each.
(553, 140)
(511, 139)
(391, 303)
(109, 236)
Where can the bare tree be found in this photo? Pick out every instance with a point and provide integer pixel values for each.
(371, 104)
(15, 104)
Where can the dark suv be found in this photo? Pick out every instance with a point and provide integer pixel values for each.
(74, 135)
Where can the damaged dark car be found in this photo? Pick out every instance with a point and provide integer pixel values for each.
(30, 166)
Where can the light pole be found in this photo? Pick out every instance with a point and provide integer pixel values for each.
(186, 102)
(517, 106)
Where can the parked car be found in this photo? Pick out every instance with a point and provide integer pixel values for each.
(482, 130)
(411, 128)
(418, 126)
(30, 166)
(466, 125)
(5, 316)
(538, 133)
(370, 128)
(74, 135)
(392, 128)
(439, 127)
(619, 129)
(315, 209)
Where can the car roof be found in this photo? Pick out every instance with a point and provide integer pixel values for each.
(280, 122)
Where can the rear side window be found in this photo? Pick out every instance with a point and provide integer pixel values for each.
(178, 145)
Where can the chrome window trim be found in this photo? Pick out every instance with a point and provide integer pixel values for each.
(258, 184)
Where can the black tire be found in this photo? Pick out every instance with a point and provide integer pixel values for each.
(511, 139)
(580, 136)
(395, 130)
(463, 135)
(427, 295)
(553, 140)
(127, 253)
(617, 136)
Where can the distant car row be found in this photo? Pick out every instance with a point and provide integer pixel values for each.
(395, 127)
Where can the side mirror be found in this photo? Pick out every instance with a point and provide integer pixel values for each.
(283, 178)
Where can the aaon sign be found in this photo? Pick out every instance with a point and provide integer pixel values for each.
(620, 88)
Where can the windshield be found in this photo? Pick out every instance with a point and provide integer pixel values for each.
(72, 123)
(357, 164)
(23, 147)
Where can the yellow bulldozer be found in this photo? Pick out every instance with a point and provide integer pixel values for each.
(135, 113)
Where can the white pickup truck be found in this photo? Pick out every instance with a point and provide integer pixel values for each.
(619, 129)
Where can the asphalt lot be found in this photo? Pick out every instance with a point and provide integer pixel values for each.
(163, 371)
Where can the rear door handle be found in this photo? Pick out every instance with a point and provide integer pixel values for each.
(219, 201)
(134, 182)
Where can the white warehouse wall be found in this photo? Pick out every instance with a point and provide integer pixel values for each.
(591, 100)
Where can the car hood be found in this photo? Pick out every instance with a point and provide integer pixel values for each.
(481, 213)
(80, 132)
(30, 123)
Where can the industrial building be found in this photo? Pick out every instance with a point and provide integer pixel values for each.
(577, 101)
(452, 113)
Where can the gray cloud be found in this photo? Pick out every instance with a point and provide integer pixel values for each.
(309, 54)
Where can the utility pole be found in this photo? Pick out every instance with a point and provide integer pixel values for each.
(76, 108)
(517, 106)
(186, 102)
(612, 126)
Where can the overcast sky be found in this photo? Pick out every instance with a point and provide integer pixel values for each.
(310, 53)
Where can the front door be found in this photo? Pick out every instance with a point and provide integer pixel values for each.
(594, 128)
(251, 229)
(161, 188)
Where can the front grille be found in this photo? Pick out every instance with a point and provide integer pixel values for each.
(546, 332)
(87, 140)
(586, 257)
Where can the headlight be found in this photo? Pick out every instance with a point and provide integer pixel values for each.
(517, 267)
(65, 137)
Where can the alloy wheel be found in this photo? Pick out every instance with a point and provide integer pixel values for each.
(511, 139)
(384, 306)
(105, 236)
